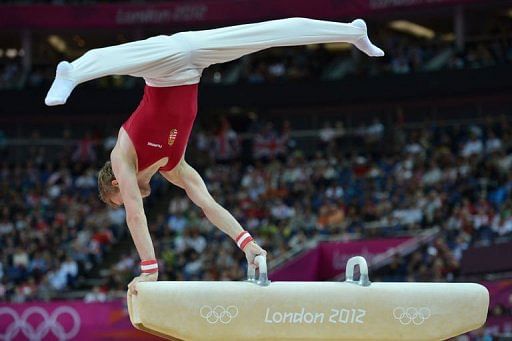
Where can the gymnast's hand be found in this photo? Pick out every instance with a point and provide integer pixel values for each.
(251, 251)
(144, 277)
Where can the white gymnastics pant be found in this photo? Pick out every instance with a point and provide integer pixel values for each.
(179, 59)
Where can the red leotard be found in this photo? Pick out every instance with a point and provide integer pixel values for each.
(161, 125)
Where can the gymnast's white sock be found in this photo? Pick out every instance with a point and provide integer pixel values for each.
(364, 44)
(62, 85)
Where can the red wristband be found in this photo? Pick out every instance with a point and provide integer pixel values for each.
(243, 239)
(149, 266)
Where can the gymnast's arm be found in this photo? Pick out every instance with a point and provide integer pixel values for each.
(126, 177)
(186, 177)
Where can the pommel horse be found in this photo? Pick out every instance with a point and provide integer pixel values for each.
(351, 310)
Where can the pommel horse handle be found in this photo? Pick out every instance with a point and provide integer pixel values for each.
(364, 278)
(262, 266)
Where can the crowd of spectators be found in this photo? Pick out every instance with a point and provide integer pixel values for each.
(53, 229)
(455, 178)
(403, 55)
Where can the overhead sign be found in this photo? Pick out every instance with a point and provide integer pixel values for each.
(179, 14)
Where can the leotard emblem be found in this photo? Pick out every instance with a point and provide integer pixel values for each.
(172, 136)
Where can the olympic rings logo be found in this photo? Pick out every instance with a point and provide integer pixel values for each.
(412, 315)
(50, 323)
(218, 313)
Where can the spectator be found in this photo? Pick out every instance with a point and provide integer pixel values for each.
(96, 295)
(85, 150)
(226, 143)
(473, 146)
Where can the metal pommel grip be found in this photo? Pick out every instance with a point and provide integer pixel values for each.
(364, 279)
(262, 266)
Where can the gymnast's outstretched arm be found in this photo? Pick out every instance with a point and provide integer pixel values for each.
(126, 181)
(186, 177)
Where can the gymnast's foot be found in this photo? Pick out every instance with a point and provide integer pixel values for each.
(62, 85)
(364, 44)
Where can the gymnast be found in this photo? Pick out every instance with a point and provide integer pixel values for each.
(155, 136)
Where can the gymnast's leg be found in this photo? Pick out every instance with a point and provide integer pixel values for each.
(228, 43)
(180, 58)
(149, 58)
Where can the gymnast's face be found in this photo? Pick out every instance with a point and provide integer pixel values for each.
(117, 199)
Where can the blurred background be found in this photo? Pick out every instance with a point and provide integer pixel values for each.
(321, 152)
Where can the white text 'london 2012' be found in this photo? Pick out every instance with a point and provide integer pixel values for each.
(342, 316)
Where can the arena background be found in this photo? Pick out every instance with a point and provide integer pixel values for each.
(319, 151)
